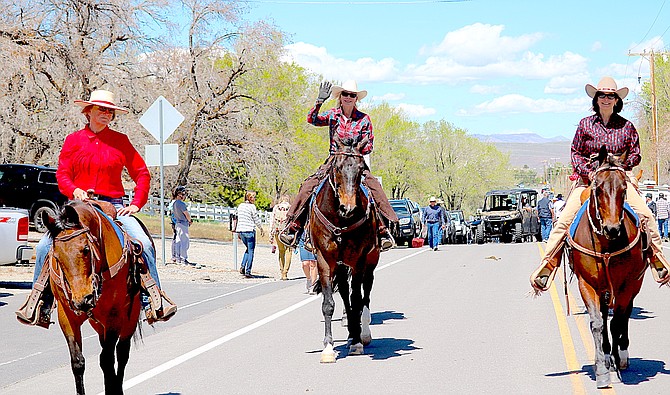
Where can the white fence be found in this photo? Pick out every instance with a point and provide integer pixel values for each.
(202, 211)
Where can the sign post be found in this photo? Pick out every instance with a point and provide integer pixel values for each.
(161, 120)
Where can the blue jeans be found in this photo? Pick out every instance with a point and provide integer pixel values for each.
(663, 227)
(434, 234)
(545, 226)
(129, 224)
(249, 240)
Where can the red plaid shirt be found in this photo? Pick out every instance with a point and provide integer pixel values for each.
(618, 136)
(357, 127)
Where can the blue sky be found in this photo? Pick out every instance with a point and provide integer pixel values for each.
(486, 66)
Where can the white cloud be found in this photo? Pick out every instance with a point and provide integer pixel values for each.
(597, 46)
(515, 104)
(485, 89)
(480, 44)
(416, 111)
(566, 84)
(389, 97)
(318, 60)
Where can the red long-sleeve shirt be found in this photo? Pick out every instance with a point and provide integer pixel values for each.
(96, 160)
(357, 127)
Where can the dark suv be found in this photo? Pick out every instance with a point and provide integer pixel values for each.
(33, 188)
(409, 221)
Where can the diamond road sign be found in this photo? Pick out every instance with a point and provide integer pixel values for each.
(151, 120)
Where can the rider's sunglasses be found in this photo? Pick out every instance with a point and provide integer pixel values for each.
(349, 94)
(610, 96)
(106, 109)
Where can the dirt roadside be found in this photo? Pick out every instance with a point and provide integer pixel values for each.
(214, 263)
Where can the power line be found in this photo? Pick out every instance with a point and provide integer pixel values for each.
(654, 22)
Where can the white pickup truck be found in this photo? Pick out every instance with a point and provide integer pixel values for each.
(14, 236)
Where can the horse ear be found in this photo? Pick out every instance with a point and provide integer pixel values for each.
(623, 157)
(49, 222)
(69, 216)
(361, 144)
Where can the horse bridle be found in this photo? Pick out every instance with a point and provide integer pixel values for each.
(61, 280)
(600, 232)
(336, 230)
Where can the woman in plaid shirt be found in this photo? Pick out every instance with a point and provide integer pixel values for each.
(605, 127)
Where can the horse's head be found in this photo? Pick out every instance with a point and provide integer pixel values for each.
(608, 193)
(346, 171)
(76, 253)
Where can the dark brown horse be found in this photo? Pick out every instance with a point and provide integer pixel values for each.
(343, 230)
(93, 279)
(608, 258)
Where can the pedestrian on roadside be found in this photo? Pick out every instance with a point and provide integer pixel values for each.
(651, 204)
(432, 218)
(247, 222)
(174, 229)
(558, 206)
(445, 220)
(278, 223)
(545, 211)
(308, 266)
(662, 214)
(182, 221)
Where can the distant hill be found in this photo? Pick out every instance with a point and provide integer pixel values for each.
(530, 149)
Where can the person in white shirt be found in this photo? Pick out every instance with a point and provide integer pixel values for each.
(558, 206)
(247, 222)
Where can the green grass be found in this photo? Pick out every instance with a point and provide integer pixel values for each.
(200, 229)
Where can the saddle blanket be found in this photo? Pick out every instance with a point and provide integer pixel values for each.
(585, 206)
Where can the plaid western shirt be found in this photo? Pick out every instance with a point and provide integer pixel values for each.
(618, 136)
(357, 127)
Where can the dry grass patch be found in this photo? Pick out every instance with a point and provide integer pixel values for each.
(200, 229)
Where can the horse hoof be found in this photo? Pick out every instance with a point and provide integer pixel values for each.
(356, 349)
(623, 359)
(603, 380)
(366, 338)
(328, 354)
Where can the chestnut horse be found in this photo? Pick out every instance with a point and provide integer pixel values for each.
(608, 257)
(94, 278)
(343, 231)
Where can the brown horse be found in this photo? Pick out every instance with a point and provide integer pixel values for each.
(94, 279)
(608, 257)
(343, 230)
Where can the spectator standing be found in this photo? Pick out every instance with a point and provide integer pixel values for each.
(182, 220)
(651, 204)
(278, 223)
(662, 214)
(432, 217)
(308, 266)
(247, 222)
(545, 211)
(558, 206)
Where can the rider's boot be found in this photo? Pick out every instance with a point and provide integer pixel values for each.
(544, 274)
(386, 241)
(37, 308)
(659, 267)
(160, 307)
(289, 235)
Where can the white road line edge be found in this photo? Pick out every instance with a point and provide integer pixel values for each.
(217, 342)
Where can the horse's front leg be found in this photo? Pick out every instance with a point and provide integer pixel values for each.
(122, 356)
(592, 302)
(607, 347)
(108, 342)
(356, 347)
(620, 341)
(366, 318)
(327, 307)
(71, 328)
(342, 280)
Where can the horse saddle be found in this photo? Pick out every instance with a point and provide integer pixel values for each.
(585, 206)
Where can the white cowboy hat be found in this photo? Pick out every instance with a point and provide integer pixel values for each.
(606, 85)
(349, 86)
(432, 199)
(101, 98)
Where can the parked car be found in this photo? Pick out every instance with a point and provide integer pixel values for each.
(409, 221)
(33, 188)
(14, 236)
(461, 228)
(509, 215)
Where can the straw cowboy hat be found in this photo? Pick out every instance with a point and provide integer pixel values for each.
(101, 98)
(606, 85)
(349, 86)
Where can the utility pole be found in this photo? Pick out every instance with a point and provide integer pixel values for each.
(654, 109)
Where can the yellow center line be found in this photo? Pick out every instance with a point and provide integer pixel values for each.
(583, 325)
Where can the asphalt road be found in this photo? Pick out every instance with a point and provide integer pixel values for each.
(455, 321)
